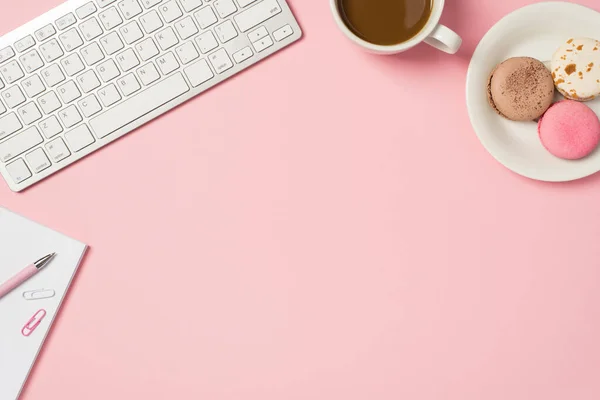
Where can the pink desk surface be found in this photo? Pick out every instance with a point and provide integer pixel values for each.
(323, 226)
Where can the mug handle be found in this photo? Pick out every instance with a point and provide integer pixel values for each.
(444, 39)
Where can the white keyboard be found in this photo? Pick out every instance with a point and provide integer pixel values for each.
(90, 71)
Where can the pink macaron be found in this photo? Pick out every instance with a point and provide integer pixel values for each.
(569, 130)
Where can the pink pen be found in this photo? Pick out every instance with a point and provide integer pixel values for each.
(25, 274)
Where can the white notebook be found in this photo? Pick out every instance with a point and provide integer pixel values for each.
(21, 243)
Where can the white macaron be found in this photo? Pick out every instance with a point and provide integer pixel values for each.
(576, 69)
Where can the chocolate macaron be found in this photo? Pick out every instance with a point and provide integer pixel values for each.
(520, 89)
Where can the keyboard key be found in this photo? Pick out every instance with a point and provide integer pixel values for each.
(170, 11)
(263, 44)
(2, 108)
(57, 149)
(282, 33)
(72, 64)
(9, 124)
(150, 3)
(18, 171)
(37, 160)
(257, 14)
(139, 105)
(127, 60)
(89, 106)
(220, 61)
(6, 54)
(128, 84)
(242, 55)
(151, 22)
(51, 50)
(13, 97)
(147, 49)
(71, 39)
(33, 86)
(25, 43)
(70, 116)
(206, 17)
(198, 73)
(187, 53)
(110, 18)
(244, 3)
(52, 75)
(68, 92)
(130, 8)
(92, 54)
(190, 5)
(207, 42)
(186, 28)
(108, 70)
(167, 63)
(45, 32)
(111, 43)
(258, 34)
(109, 95)
(11, 72)
(20, 143)
(226, 31)
(49, 102)
(79, 138)
(50, 127)
(104, 3)
(66, 21)
(88, 81)
(131, 32)
(225, 7)
(91, 29)
(166, 38)
(29, 113)
(85, 10)
(31, 61)
(148, 74)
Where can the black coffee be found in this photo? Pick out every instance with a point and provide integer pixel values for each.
(385, 22)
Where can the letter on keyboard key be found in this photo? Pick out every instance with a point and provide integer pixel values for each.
(13, 96)
(18, 171)
(148, 74)
(70, 116)
(9, 124)
(257, 14)
(79, 138)
(20, 143)
(198, 73)
(139, 105)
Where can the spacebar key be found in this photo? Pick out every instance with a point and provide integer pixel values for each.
(138, 106)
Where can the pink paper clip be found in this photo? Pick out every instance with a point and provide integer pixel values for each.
(33, 322)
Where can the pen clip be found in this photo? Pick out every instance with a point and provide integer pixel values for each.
(33, 322)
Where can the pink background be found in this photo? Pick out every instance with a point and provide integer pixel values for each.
(323, 226)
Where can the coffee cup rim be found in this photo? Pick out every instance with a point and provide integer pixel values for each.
(432, 22)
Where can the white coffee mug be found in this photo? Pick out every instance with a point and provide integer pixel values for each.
(433, 33)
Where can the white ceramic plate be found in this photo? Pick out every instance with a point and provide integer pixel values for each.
(535, 31)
